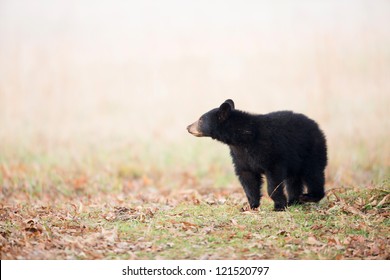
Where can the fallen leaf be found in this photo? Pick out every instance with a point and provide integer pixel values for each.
(235, 223)
(313, 241)
(383, 201)
(316, 227)
(283, 233)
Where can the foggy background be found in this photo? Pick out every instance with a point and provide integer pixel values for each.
(106, 71)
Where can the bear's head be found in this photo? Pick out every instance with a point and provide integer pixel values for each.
(209, 123)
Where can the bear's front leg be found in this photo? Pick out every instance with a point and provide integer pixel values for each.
(251, 182)
(275, 182)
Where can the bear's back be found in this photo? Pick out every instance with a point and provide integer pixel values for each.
(290, 124)
(286, 136)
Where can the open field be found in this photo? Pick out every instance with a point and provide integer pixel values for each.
(113, 205)
(95, 160)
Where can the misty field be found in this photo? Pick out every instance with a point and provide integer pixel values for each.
(96, 162)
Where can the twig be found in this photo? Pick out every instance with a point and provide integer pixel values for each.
(276, 188)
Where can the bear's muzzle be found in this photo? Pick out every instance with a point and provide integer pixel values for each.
(194, 129)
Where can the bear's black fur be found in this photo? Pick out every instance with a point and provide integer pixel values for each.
(288, 148)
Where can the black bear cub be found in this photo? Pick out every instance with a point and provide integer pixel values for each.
(288, 148)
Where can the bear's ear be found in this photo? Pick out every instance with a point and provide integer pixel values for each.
(225, 109)
(231, 103)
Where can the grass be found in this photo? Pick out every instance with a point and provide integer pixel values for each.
(116, 209)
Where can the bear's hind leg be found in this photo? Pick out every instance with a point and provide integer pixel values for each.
(275, 183)
(294, 188)
(315, 186)
(251, 183)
